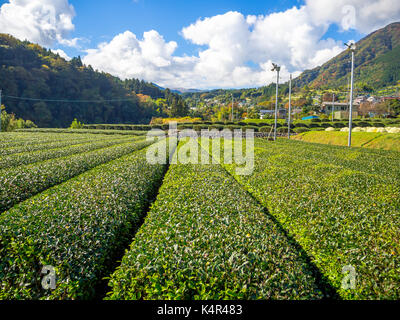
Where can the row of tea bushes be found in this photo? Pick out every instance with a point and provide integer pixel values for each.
(78, 227)
(206, 238)
(342, 210)
(87, 131)
(14, 160)
(17, 142)
(20, 183)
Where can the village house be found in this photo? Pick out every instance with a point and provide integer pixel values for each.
(360, 99)
(265, 114)
(328, 107)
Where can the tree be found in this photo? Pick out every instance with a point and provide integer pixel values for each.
(327, 96)
(9, 122)
(76, 124)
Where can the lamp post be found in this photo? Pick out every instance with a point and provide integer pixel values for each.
(333, 106)
(277, 69)
(290, 105)
(352, 48)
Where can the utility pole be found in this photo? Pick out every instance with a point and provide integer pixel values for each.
(333, 105)
(232, 106)
(352, 48)
(290, 105)
(277, 69)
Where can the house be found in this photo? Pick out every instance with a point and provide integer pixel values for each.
(265, 114)
(328, 107)
(360, 99)
(372, 100)
(343, 115)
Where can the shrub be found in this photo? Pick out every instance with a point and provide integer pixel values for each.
(20, 183)
(58, 150)
(363, 124)
(233, 127)
(255, 128)
(326, 125)
(339, 125)
(221, 253)
(300, 125)
(266, 129)
(100, 208)
(284, 130)
(336, 196)
(301, 130)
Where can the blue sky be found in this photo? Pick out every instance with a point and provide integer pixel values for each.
(101, 20)
(197, 44)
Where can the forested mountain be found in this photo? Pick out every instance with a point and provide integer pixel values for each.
(143, 87)
(377, 63)
(30, 71)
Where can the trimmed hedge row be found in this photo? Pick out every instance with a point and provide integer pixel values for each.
(20, 183)
(91, 131)
(24, 142)
(342, 205)
(75, 147)
(77, 227)
(206, 238)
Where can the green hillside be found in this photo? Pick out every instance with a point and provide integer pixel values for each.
(30, 71)
(377, 63)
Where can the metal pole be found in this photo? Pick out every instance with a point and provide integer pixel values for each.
(351, 97)
(333, 105)
(276, 104)
(232, 106)
(290, 105)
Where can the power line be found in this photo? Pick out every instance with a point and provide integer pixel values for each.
(67, 100)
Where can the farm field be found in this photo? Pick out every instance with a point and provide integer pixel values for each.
(341, 205)
(93, 207)
(385, 141)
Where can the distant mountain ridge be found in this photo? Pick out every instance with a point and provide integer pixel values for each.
(179, 90)
(377, 63)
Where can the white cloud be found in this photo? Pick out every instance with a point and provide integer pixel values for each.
(236, 50)
(41, 21)
(62, 54)
(363, 15)
(127, 56)
(232, 40)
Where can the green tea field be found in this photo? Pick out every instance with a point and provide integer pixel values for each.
(116, 227)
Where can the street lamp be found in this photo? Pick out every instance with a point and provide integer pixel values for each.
(277, 69)
(290, 105)
(352, 48)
